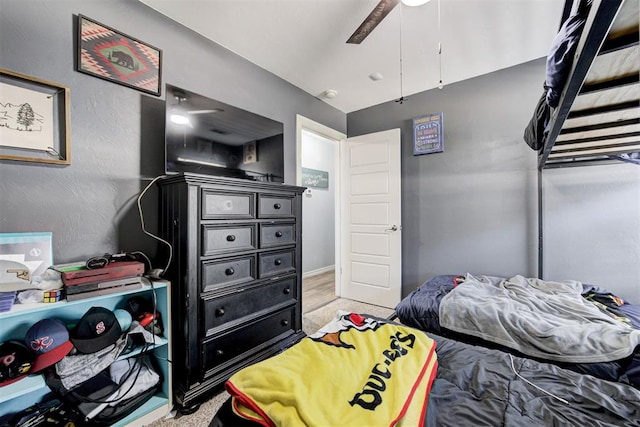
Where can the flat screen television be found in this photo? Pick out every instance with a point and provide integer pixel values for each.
(209, 137)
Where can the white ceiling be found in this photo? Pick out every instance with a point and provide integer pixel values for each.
(303, 41)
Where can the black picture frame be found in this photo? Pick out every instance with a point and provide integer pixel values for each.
(109, 54)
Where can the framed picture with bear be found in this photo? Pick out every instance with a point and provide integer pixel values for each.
(108, 54)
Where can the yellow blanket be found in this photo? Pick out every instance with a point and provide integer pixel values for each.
(355, 371)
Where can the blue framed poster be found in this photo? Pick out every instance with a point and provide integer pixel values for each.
(428, 134)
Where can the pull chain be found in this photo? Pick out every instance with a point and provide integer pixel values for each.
(440, 84)
(401, 99)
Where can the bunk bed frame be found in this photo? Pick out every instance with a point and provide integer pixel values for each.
(599, 110)
(598, 117)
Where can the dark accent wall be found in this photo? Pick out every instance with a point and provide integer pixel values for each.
(471, 208)
(117, 133)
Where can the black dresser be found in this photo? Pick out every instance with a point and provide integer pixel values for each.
(235, 274)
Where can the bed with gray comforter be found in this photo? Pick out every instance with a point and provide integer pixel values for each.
(573, 325)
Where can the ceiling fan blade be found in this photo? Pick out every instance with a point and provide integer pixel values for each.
(215, 110)
(381, 10)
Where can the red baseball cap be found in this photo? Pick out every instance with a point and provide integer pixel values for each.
(15, 362)
(49, 341)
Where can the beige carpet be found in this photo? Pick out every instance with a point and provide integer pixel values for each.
(311, 322)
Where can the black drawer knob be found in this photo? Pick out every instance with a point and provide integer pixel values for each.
(231, 238)
(229, 271)
(219, 353)
(278, 261)
(220, 311)
(278, 233)
(286, 291)
(277, 206)
(284, 322)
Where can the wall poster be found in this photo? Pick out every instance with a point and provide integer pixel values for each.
(315, 178)
(111, 55)
(428, 134)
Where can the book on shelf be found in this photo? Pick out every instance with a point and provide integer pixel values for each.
(78, 275)
(103, 284)
(105, 290)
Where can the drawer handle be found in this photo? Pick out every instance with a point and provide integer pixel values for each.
(278, 233)
(220, 311)
(284, 322)
(286, 291)
(277, 206)
(231, 238)
(278, 261)
(219, 353)
(229, 271)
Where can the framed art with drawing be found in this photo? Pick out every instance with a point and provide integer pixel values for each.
(34, 119)
(111, 55)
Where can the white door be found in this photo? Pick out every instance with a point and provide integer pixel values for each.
(370, 219)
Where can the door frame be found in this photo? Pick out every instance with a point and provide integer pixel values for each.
(304, 123)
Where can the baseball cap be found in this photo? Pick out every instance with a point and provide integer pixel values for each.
(48, 339)
(124, 318)
(14, 276)
(97, 329)
(15, 362)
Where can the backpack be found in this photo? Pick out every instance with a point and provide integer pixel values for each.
(93, 395)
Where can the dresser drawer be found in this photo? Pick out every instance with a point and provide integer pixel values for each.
(272, 263)
(216, 239)
(275, 206)
(277, 234)
(216, 205)
(230, 271)
(238, 342)
(221, 310)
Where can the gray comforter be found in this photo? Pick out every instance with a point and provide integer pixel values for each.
(543, 319)
(477, 386)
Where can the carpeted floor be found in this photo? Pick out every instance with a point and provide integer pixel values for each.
(311, 322)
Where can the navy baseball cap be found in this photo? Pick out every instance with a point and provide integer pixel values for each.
(97, 329)
(49, 341)
(15, 362)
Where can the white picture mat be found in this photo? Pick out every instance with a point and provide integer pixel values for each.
(13, 134)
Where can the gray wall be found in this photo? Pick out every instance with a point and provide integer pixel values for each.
(318, 206)
(117, 133)
(473, 208)
(592, 227)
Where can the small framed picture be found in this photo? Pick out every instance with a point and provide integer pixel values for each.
(111, 55)
(428, 134)
(250, 153)
(34, 119)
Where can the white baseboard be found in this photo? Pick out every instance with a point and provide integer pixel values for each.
(318, 271)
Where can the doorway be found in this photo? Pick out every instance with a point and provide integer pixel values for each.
(317, 168)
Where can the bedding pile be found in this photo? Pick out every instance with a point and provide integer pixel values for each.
(421, 309)
(542, 319)
(354, 371)
(362, 371)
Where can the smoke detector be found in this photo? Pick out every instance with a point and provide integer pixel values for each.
(330, 93)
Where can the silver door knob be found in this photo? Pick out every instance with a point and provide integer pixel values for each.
(393, 228)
